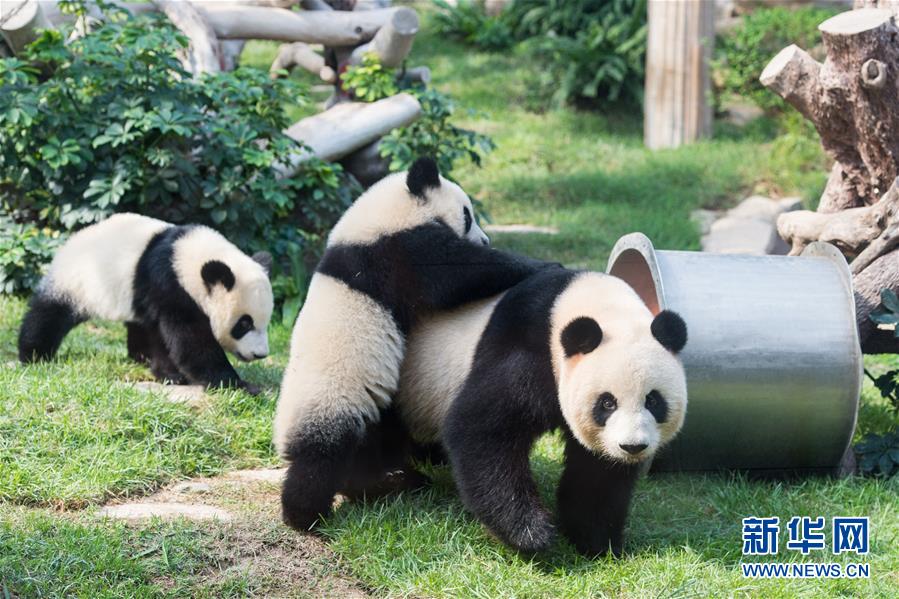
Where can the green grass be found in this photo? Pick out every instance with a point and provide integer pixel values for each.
(73, 434)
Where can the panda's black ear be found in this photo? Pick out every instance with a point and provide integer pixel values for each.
(670, 330)
(423, 175)
(214, 273)
(264, 259)
(581, 336)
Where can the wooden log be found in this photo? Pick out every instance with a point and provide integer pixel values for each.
(333, 28)
(853, 101)
(393, 42)
(865, 233)
(676, 107)
(349, 126)
(302, 55)
(203, 53)
(418, 75)
(20, 23)
(231, 51)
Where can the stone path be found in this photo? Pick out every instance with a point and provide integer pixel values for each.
(748, 228)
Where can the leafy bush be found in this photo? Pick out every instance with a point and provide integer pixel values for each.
(434, 135)
(589, 51)
(743, 52)
(468, 22)
(603, 60)
(24, 249)
(878, 455)
(533, 18)
(369, 81)
(111, 122)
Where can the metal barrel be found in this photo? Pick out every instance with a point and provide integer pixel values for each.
(773, 362)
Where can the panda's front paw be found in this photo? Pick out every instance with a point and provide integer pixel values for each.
(250, 388)
(594, 543)
(535, 534)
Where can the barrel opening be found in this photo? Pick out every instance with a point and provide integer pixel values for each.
(631, 266)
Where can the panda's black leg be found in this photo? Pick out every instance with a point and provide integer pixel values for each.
(158, 358)
(45, 325)
(198, 355)
(139, 346)
(319, 456)
(593, 499)
(380, 465)
(490, 461)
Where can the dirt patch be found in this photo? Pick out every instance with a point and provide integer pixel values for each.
(254, 545)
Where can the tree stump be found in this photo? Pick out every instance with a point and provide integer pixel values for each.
(853, 101)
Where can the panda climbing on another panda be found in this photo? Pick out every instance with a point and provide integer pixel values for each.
(576, 350)
(408, 246)
(185, 293)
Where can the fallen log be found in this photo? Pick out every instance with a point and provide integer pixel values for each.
(348, 126)
(334, 28)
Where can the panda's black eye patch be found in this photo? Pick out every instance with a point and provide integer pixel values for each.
(468, 220)
(657, 406)
(605, 405)
(243, 326)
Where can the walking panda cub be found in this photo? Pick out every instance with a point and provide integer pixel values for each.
(578, 351)
(409, 245)
(185, 293)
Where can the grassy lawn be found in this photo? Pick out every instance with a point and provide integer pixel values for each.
(74, 434)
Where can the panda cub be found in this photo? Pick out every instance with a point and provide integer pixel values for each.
(576, 350)
(407, 246)
(185, 293)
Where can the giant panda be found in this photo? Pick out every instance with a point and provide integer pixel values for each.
(578, 351)
(185, 293)
(407, 246)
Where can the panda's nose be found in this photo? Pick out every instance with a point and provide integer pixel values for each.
(633, 449)
(485, 240)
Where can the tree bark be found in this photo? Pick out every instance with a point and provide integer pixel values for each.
(19, 26)
(676, 107)
(852, 101)
(203, 54)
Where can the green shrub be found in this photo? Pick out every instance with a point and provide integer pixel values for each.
(369, 81)
(589, 51)
(434, 135)
(24, 250)
(601, 62)
(743, 52)
(468, 22)
(111, 122)
(533, 18)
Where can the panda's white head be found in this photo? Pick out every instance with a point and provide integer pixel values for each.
(622, 388)
(233, 289)
(404, 201)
